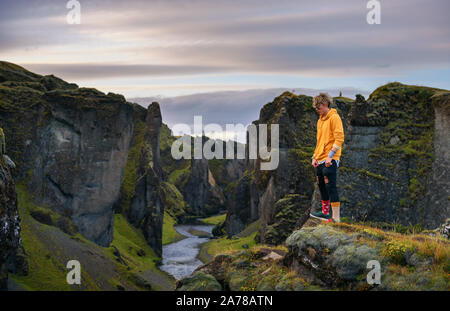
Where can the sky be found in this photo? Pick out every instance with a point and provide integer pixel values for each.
(162, 48)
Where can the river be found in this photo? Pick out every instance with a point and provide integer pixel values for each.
(180, 258)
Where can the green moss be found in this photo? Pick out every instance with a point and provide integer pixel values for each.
(170, 235)
(225, 245)
(216, 167)
(130, 242)
(229, 189)
(214, 220)
(174, 202)
(129, 178)
(180, 177)
(348, 187)
(370, 174)
(45, 273)
(344, 200)
(395, 251)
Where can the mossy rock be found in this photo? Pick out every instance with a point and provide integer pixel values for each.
(200, 281)
(237, 280)
(290, 283)
(268, 283)
(351, 260)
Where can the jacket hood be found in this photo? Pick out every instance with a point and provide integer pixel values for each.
(331, 112)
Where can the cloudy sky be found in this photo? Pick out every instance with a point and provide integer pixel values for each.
(179, 47)
(162, 47)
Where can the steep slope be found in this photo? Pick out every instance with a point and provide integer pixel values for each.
(129, 263)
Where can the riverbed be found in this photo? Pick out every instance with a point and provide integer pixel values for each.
(180, 258)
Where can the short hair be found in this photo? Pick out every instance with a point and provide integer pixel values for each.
(322, 98)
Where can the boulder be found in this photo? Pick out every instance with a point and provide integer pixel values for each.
(200, 281)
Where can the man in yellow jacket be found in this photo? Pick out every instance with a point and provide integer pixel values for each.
(330, 136)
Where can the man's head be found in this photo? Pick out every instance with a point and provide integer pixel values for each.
(322, 103)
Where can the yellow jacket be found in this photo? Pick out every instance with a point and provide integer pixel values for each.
(330, 133)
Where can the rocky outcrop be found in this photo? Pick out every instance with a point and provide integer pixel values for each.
(201, 192)
(331, 257)
(199, 282)
(80, 158)
(292, 211)
(12, 255)
(72, 148)
(146, 210)
(343, 257)
(240, 211)
(201, 181)
(393, 160)
(437, 194)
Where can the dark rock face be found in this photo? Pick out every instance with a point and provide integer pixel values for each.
(290, 212)
(201, 192)
(197, 186)
(71, 147)
(388, 169)
(147, 205)
(12, 256)
(80, 159)
(437, 194)
(239, 207)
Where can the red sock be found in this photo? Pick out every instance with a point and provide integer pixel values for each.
(325, 207)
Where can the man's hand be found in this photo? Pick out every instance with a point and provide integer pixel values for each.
(314, 163)
(328, 162)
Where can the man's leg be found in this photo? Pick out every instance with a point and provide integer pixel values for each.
(330, 176)
(320, 178)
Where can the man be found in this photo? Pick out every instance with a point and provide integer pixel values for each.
(330, 136)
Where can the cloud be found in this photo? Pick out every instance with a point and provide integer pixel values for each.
(94, 71)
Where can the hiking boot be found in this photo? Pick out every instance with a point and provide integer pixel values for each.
(320, 215)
